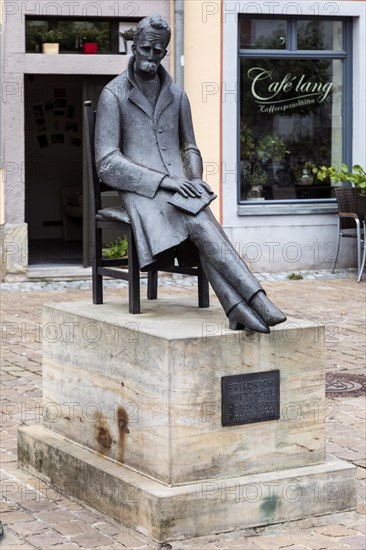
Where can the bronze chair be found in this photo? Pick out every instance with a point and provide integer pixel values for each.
(351, 222)
(116, 218)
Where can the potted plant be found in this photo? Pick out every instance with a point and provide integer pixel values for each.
(51, 41)
(356, 176)
(271, 151)
(89, 40)
(252, 173)
(257, 179)
(127, 36)
(271, 148)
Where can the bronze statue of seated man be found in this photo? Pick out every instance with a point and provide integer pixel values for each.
(146, 149)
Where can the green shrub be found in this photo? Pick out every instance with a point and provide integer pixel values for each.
(295, 277)
(116, 249)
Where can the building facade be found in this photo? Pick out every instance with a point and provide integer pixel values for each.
(274, 87)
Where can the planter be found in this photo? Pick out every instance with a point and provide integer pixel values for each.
(255, 193)
(50, 48)
(90, 47)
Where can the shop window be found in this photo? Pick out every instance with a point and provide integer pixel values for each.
(294, 106)
(74, 32)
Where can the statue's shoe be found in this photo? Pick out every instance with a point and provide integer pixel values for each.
(242, 316)
(266, 310)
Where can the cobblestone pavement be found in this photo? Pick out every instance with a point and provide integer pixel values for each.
(36, 516)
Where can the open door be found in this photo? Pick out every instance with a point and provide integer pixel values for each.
(53, 168)
(57, 194)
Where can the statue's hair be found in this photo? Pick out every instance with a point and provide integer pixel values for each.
(155, 22)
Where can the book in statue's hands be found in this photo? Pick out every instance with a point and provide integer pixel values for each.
(192, 205)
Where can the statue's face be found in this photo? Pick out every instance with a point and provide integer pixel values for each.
(149, 51)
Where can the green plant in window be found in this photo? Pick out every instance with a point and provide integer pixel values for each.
(90, 34)
(104, 37)
(128, 34)
(51, 37)
(33, 30)
(356, 176)
(246, 140)
(116, 249)
(258, 177)
(271, 147)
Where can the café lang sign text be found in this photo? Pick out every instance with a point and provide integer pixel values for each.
(266, 90)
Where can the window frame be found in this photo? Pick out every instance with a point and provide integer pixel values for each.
(292, 53)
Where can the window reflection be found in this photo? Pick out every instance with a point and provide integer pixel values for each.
(290, 116)
(319, 35)
(263, 33)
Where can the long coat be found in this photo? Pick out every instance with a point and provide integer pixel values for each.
(136, 146)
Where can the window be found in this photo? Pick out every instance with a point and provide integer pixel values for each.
(74, 32)
(294, 106)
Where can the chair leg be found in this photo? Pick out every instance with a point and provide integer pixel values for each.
(133, 276)
(152, 285)
(97, 280)
(338, 244)
(364, 254)
(203, 289)
(358, 230)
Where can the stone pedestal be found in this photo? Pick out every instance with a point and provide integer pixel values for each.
(132, 420)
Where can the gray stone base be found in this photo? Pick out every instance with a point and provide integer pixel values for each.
(13, 252)
(201, 508)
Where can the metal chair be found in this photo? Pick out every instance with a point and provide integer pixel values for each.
(351, 222)
(116, 218)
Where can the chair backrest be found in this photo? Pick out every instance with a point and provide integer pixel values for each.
(96, 186)
(348, 199)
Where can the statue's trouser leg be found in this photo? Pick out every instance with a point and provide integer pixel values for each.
(226, 271)
(224, 291)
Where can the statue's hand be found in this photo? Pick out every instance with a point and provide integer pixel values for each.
(203, 184)
(180, 185)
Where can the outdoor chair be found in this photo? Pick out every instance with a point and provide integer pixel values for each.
(116, 218)
(351, 219)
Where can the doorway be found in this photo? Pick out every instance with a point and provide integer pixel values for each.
(56, 193)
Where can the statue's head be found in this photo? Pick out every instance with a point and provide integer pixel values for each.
(151, 39)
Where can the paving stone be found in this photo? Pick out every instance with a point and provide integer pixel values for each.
(317, 541)
(39, 505)
(12, 542)
(107, 528)
(33, 527)
(335, 530)
(130, 540)
(92, 540)
(90, 517)
(55, 516)
(118, 546)
(69, 546)
(238, 544)
(74, 527)
(46, 540)
(357, 542)
(7, 507)
(8, 518)
(275, 541)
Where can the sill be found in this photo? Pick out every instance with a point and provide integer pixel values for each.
(266, 208)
